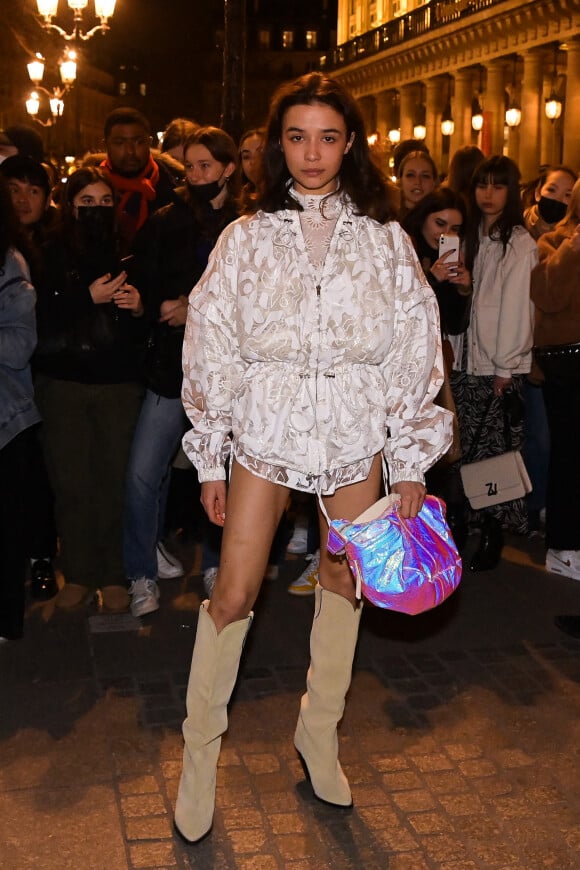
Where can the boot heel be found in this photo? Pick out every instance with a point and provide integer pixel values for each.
(309, 780)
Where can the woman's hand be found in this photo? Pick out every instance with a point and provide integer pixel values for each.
(500, 385)
(129, 298)
(412, 497)
(173, 311)
(575, 239)
(213, 499)
(104, 288)
(453, 271)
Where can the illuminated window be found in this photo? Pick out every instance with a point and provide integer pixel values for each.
(264, 39)
(288, 39)
(122, 88)
(143, 89)
(311, 38)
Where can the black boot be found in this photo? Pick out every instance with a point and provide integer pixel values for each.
(457, 522)
(488, 553)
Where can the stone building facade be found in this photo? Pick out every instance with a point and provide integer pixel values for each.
(410, 62)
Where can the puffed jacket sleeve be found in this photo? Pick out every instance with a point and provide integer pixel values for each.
(17, 317)
(555, 280)
(420, 432)
(212, 367)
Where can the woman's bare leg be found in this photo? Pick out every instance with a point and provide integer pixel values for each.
(254, 509)
(346, 504)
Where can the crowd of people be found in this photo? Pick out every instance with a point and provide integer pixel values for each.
(113, 252)
(330, 347)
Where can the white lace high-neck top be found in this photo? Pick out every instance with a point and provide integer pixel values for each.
(312, 344)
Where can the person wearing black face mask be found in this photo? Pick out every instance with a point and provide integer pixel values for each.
(88, 387)
(170, 254)
(551, 193)
(551, 197)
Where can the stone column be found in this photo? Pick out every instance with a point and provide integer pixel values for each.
(532, 110)
(462, 110)
(434, 103)
(409, 98)
(571, 156)
(495, 103)
(383, 102)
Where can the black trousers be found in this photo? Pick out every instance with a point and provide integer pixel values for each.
(562, 499)
(15, 460)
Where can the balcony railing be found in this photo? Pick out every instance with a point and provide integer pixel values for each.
(424, 19)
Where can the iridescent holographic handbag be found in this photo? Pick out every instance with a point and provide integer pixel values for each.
(408, 565)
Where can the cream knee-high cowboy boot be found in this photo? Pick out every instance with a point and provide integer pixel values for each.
(214, 669)
(332, 645)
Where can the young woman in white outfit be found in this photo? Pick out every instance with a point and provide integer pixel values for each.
(312, 347)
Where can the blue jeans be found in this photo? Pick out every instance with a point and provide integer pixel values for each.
(159, 430)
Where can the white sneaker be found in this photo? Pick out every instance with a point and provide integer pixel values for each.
(298, 542)
(564, 562)
(209, 578)
(306, 583)
(168, 566)
(144, 596)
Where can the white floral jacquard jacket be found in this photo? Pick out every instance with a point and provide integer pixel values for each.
(307, 377)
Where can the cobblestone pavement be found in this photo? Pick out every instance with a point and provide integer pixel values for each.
(460, 738)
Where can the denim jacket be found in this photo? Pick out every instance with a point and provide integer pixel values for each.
(17, 342)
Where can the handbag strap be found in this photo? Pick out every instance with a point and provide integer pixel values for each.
(507, 432)
(318, 489)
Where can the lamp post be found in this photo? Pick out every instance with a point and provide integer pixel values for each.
(234, 68)
(103, 10)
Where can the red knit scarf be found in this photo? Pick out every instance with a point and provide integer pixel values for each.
(142, 185)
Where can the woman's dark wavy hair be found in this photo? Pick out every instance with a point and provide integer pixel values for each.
(222, 148)
(497, 169)
(438, 200)
(360, 177)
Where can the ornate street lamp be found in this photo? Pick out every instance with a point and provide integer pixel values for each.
(476, 115)
(513, 112)
(447, 122)
(553, 107)
(104, 9)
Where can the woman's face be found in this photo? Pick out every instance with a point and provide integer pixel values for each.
(491, 199)
(416, 181)
(202, 168)
(251, 156)
(314, 141)
(448, 221)
(558, 185)
(98, 193)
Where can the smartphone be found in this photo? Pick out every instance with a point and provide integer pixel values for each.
(449, 243)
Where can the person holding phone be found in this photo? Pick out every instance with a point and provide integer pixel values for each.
(493, 355)
(436, 226)
(87, 363)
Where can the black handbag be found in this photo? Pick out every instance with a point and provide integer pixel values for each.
(559, 361)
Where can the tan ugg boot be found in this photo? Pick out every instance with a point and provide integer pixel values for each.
(214, 669)
(332, 645)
